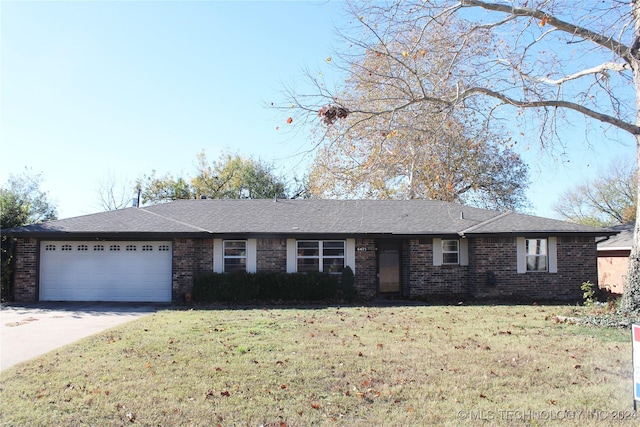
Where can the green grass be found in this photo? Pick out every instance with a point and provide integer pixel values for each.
(439, 365)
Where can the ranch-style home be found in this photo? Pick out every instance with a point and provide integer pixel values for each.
(406, 248)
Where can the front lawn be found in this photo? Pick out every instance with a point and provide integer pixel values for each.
(410, 365)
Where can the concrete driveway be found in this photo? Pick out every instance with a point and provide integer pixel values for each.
(29, 330)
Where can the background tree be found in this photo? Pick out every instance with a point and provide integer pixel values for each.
(425, 159)
(608, 200)
(115, 193)
(22, 202)
(555, 60)
(166, 188)
(230, 177)
(380, 144)
(236, 177)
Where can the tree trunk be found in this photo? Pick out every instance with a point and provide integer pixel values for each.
(631, 298)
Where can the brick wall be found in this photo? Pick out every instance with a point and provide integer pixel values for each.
(272, 255)
(25, 285)
(184, 265)
(204, 255)
(497, 255)
(428, 281)
(366, 274)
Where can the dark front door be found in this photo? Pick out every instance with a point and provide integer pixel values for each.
(389, 267)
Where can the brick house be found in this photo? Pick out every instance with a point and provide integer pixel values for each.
(409, 248)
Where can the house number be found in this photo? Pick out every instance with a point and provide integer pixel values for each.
(361, 249)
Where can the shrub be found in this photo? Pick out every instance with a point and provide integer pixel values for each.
(347, 285)
(244, 287)
(588, 293)
(230, 287)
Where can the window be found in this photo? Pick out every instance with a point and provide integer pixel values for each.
(131, 247)
(83, 247)
(50, 247)
(450, 252)
(320, 255)
(147, 248)
(235, 255)
(66, 247)
(536, 250)
(163, 248)
(114, 247)
(98, 247)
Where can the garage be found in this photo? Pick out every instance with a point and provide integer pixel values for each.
(105, 271)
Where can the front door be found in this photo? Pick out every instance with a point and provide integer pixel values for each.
(389, 267)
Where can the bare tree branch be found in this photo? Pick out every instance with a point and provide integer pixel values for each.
(631, 128)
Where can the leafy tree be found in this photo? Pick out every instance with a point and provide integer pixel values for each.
(418, 151)
(21, 203)
(608, 200)
(552, 60)
(159, 189)
(236, 177)
(438, 161)
(231, 177)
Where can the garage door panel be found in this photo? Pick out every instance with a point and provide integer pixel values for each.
(109, 271)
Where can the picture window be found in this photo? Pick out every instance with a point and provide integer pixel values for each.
(320, 256)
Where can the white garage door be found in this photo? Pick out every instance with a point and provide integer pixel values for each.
(105, 271)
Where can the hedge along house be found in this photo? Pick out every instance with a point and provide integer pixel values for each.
(410, 248)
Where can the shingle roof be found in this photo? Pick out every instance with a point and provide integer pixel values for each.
(295, 217)
(622, 241)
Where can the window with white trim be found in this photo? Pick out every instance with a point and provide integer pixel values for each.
(450, 252)
(536, 253)
(234, 255)
(320, 255)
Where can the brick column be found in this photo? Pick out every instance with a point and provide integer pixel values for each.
(183, 266)
(25, 282)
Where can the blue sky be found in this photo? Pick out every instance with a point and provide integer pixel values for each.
(96, 89)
